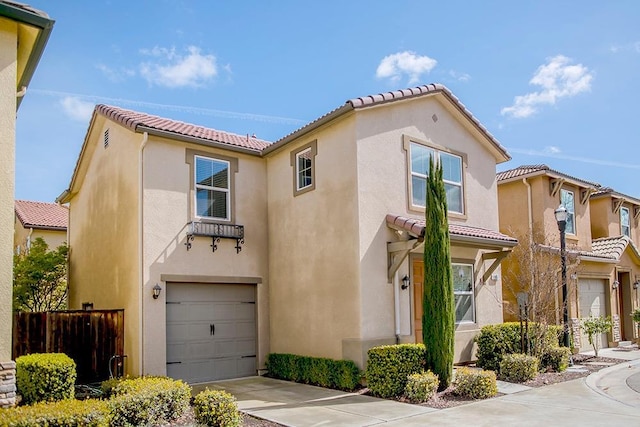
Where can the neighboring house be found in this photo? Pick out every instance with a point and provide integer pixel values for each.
(24, 32)
(608, 272)
(39, 219)
(297, 246)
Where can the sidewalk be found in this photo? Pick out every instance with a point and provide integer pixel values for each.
(604, 398)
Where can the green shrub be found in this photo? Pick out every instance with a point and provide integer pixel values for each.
(65, 413)
(421, 387)
(556, 359)
(45, 377)
(216, 408)
(345, 375)
(494, 341)
(475, 383)
(389, 366)
(148, 400)
(519, 367)
(338, 374)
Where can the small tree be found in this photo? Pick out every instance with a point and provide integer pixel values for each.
(593, 327)
(39, 278)
(533, 269)
(438, 318)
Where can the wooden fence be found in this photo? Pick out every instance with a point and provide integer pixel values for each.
(90, 338)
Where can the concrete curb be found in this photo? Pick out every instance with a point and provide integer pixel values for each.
(614, 382)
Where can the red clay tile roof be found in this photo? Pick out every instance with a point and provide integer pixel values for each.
(42, 215)
(386, 97)
(134, 119)
(607, 191)
(613, 247)
(416, 227)
(525, 170)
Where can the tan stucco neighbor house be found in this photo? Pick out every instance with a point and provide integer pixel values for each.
(602, 232)
(39, 219)
(297, 246)
(24, 32)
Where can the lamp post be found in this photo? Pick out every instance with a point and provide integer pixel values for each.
(561, 219)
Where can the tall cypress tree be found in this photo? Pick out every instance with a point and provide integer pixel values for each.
(438, 318)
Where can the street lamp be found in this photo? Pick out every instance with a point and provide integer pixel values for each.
(561, 219)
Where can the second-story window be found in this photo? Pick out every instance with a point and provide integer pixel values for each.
(566, 200)
(212, 188)
(625, 223)
(451, 174)
(303, 161)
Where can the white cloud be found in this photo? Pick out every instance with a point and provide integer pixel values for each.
(175, 70)
(552, 149)
(407, 63)
(557, 155)
(558, 79)
(115, 75)
(76, 108)
(635, 46)
(462, 77)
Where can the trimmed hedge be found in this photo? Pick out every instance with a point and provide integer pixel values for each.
(389, 366)
(475, 383)
(148, 401)
(44, 377)
(556, 359)
(518, 368)
(421, 387)
(65, 413)
(337, 374)
(495, 341)
(216, 408)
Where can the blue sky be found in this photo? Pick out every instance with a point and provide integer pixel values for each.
(556, 82)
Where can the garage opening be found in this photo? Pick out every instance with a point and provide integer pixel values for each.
(592, 303)
(211, 331)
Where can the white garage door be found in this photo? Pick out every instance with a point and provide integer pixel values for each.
(592, 303)
(211, 331)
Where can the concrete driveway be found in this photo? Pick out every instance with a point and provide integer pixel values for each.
(608, 397)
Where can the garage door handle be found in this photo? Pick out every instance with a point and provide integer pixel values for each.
(212, 329)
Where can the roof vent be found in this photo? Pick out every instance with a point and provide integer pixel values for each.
(106, 138)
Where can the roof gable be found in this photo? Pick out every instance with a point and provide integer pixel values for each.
(42, 215)
(368, 101)
(140, 122)
(526, 171)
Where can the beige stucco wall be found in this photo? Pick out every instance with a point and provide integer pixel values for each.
(54, 238)
(315, 299)
(8, 78)
(103, 231)
(383, 188)
(606, 223)
(168, 197)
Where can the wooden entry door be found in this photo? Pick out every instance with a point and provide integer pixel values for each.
(418, 284)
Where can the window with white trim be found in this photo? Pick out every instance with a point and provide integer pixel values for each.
(451, 174)
(212, 190)
(463, 292)
(304, 169)
(567, 200)
(625, 222)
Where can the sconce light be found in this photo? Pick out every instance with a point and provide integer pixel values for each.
(615, 284)
(574, 276)
(636, 284)
(405, 282)
(156, 291)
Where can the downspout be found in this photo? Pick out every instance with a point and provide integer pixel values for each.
(396, 305)
(529, 209)
(145, 138)
(28, 242)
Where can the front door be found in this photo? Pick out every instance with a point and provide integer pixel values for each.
(418, 284)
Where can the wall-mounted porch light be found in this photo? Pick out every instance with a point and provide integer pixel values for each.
(405, 282)
(636, 284)
(156, 291)
(615, 284)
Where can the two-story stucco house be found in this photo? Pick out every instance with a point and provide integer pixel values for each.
(600, 229)
(24, 32)
(39, 219)
(222, 248)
